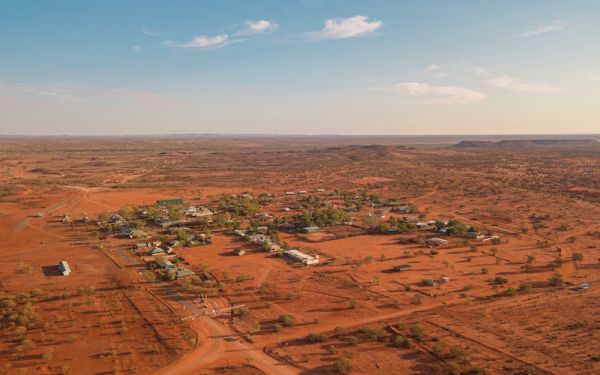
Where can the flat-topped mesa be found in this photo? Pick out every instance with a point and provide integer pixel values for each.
(527, 143)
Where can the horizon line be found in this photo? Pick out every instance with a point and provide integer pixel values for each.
(280, 135)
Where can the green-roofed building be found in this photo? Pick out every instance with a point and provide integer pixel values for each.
(170, 202)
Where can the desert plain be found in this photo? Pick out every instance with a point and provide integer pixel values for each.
(424, 256)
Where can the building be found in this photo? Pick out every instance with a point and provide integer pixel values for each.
(170, 202)
(182, 273)
(64, 268)
(259, 238)
(436, 241)
(299, 256)
(136, 233)
(403, 267)
(165, 264)
(311, 229)
(474, 235)
(240, 233)
(238, 252)
(274, 248)
(156, 251)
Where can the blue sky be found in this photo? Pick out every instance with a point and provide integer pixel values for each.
(299, 67)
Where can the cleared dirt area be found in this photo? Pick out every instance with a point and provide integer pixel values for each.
(429, 259)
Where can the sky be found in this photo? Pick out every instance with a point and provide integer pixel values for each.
(133, 67)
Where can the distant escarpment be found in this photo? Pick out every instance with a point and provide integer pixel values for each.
(509, 143)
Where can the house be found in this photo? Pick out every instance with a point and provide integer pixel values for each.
(311, 229)
(198, 212)
(299, 256)
(165, 264)
(156, 251)
(290, 193)
(435, 241)
(274, 248)
(136, 233)
(302, 192)
(64, 268)
(474, 235)
(287, 226)
(182, 273)
(240, 233)
(117, 219)
(402, 267)
(491, 238)
(259, 238)
(444, 279)
(170, 202)
(320, 190)
(238, 252)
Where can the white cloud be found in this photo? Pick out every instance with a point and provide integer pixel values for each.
(258, 27)
(543, 29)
(439, 94)
(512, 84)
(433, 68)
(343, 28)
(149, 32)
(136, 48)
(202, 41)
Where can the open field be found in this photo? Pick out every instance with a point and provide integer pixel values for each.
(511, 286)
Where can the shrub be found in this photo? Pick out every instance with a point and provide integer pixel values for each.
(403, 342)
(457, 353)
(417, 331)
(352, 340)
(343, 365)
(525, 287)
(340, 331)
(287, 320)
(556, 280)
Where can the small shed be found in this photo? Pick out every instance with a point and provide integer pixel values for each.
(311, 229)
(436, 241)
(165, 264)
(64, 268)
(182, 273)
(170, 202)
(238, 252)
(403, 267)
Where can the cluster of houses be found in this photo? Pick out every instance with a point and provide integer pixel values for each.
(163, 255)
(267, 243)
(259, 238)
